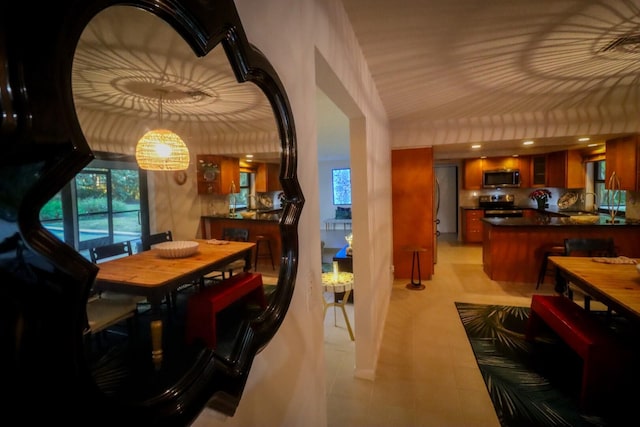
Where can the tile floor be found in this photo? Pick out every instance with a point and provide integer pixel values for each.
(426, 374)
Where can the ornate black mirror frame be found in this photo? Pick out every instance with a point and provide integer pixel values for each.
(44, 283)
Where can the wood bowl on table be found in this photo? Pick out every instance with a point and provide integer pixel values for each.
(176, 248)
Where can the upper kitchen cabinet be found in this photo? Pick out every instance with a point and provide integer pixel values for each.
(218, 174)
(538, 171)
(622, 157)
(472, 174)
(267, 177)
(494, 163)
(525, 170)
(565, 169)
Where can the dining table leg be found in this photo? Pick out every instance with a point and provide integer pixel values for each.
(156, 333)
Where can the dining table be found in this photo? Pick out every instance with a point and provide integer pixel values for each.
(153, 276)
(615, 282)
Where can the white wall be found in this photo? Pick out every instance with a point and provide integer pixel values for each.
(286, 386)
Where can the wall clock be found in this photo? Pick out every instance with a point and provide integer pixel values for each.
(180, 177)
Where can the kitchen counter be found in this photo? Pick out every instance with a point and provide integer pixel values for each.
(555, 221)
(513, 248)
(211, 228)
(260, 215)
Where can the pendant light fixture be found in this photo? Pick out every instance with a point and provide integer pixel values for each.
(162, 149)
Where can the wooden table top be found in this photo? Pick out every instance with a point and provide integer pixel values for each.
(618, 284)
(147, 271)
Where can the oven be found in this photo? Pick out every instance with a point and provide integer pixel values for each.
(500, 206)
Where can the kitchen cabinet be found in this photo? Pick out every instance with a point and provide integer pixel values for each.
(472, 177)
(217, 174)
(472, 225)
(565, 169)
(267, 177)
(412, 197)
(524, 164)
(622, 157)
(211, 228)
(538, 171)
(493, 163)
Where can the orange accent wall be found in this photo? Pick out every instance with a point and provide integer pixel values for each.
(412, 186)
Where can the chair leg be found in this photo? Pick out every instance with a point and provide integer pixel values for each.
(543, 271)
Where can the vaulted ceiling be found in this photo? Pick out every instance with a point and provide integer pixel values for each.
(497, 72)
(449, 73)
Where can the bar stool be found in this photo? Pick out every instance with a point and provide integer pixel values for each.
(416, 282)
(550, 250)
(264, 241)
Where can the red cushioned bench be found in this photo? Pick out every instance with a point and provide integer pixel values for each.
(601, 353)
(203, 307)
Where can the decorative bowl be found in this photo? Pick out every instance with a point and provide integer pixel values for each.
(584, 219)
(176, 248)
(248, 214)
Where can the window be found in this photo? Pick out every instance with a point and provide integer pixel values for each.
(244, 190)
(103, 204)
(341, 186)
(607, 199)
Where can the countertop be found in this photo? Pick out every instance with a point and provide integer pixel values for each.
(271, 216)
(545, 221)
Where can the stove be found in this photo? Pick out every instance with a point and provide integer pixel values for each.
(500, 206)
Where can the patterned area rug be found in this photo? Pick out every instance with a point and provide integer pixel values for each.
(538, 384)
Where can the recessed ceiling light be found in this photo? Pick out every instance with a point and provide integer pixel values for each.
(249, 156)
(527, 143)
(586, 138)
(476, 146)
(592, 145)
(515, 155)
(483, 157)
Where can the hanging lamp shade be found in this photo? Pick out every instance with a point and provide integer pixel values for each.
(162, 150)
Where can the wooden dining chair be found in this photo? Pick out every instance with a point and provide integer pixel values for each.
(588, 247)
(111, 251)
(106, 309)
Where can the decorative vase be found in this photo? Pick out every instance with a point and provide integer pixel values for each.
(541, 203)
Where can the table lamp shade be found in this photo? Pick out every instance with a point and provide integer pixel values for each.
(162, 150)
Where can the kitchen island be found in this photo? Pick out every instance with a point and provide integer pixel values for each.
(513, 248)
(266, 225)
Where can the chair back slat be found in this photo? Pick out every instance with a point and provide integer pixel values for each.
(113, 250)
(590, 247)
(165, 236)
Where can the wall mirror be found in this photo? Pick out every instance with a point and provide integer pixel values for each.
(79, 96)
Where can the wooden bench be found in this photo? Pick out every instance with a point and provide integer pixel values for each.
(203, 307)
(601, 353)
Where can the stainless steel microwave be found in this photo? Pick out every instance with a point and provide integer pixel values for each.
(501, 178)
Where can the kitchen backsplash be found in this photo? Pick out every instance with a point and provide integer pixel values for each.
(521, 195)
(218, 205)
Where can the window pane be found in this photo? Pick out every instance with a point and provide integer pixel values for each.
(341, 186)
(601, 170)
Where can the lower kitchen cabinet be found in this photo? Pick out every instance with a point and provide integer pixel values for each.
(472, 225)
